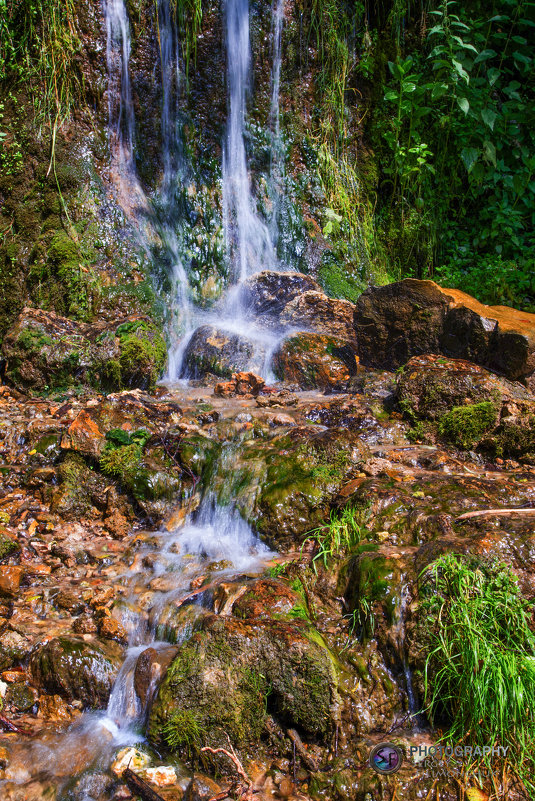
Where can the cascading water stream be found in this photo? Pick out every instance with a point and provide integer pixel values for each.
(216, 541)
(277, 150)
(249, 244)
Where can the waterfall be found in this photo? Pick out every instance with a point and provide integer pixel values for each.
(120, 107)
(249, 244)
(277, 150)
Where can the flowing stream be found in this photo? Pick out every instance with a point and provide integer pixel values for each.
(215, 543)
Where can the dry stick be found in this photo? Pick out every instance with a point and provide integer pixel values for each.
(497, 512)
(139, 787)
(301, 750)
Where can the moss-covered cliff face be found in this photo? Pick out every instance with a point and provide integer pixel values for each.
(69, 242)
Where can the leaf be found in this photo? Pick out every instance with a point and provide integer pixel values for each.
(460, 70)
(521, 58)
(489, 117)
(463, 104)
(485, 55)
(391, 95)
(493, 74)
(469, 155)
(439, 90)
(489, 152)
(408, 87)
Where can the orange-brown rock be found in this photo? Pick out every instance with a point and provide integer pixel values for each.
(10, 578)
(111, 629)
(322, 314)
(411, 317)
(246, 384)
(84, 435)
(315, 361)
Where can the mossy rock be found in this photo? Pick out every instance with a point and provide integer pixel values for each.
(466, 426)
(220, 353)
(79, 490)
(467, 406)
(77, 670)
(230, 674)
(142, 356)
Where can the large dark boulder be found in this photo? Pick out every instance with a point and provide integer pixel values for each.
(221, 353)
(318, 312)
(411, 317)
(268, 292)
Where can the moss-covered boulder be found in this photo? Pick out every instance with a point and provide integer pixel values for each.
(44, 351)
(286, 485)
(220, 353)
(467, 406)
(232, 673)
(76, 669)
(315, 361)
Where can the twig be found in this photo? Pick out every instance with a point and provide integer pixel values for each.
(496, 513)
(9, 726)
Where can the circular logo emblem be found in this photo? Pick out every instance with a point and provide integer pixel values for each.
(386, 758)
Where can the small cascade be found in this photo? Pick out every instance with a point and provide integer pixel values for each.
(216, 541)
(249, 244)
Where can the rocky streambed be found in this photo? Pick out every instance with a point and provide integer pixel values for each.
(228, 565)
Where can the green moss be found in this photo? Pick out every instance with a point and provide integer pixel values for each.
(465, 426)
(7, 546)
(32, 340)
(184, 731)
(143, 356)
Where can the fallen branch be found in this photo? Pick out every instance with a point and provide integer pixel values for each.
(301, 750)
(139, 787)
(9, 726)
(495, 513)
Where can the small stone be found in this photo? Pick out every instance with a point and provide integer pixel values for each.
(84, 624)
(201, 788)
(54, 708)
(4, 758)
(131, 758)
(111, 629)
(20, 697)
(163, 776)
(84, 435)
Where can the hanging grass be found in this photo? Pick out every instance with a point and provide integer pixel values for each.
(480, 669)
(39, 45)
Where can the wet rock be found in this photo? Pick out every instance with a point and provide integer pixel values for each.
(162, 776)
(10, 578)
(221, 353)
(130, 758)
(43, 350)
(76, 669)
(240, 384)
(69, 600)
(411, 317)
(468, 406)
(111, 629)
(20, 697)
(267, 293)
(54, 708)
(91, 787)
(315, 361)
(280, 398)
(265, 598)
(150, 667)
(201, 788)
(83, 435)
(220, 680)
(322, 314)
(285, 486)
(14, 648)
(8, 544)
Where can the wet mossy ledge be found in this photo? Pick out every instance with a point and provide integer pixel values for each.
(44, 352)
